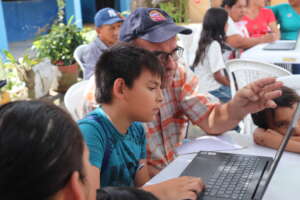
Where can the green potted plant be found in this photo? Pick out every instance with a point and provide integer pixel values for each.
(37, 74)
(59, 45)
(14, 89)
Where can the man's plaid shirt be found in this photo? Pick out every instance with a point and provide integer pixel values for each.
(182, 102)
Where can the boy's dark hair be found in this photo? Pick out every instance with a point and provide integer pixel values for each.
(229, 3)
(214, 23)
(124, 193)
(40, 148)
(123, 61)
(287, 99)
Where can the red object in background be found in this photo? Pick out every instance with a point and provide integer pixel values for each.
(197, 1)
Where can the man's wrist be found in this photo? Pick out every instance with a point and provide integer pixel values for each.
(236, 112)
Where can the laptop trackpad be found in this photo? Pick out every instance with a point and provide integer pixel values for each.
(203, 166)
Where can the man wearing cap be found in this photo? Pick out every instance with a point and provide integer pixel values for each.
(154, 30)
(107, 22)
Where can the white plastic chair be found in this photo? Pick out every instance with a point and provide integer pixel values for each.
(78, 53)
(242, 72)
(292, 81)
(74, 98)
(190, 43)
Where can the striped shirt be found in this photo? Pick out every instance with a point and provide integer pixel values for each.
(182, 103)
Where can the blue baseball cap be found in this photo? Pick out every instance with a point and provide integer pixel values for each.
(151, 24)
(107, 16)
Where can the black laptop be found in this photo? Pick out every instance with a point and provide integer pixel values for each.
(236, 176)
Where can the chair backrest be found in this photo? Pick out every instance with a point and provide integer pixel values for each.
(190, 43)
(74, 98)
(78, 53)
(292, 81)
(242, 72)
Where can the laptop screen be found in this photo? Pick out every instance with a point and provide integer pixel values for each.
(283, 144)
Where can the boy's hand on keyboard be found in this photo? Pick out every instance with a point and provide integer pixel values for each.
(184, 187)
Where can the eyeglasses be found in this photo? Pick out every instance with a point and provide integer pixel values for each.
(164, 56)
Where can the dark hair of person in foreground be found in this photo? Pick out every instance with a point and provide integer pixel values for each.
(40, 149)
(124, 193)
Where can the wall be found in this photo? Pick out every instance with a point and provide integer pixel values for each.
(26, 19)
(274, 2)
(197, 9)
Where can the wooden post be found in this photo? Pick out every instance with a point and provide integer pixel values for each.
(73, 8)
(3, 36)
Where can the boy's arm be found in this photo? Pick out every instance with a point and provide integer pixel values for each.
(221, 78)
(272, 139)
(142, 174)
(184, 187)
(95, 174)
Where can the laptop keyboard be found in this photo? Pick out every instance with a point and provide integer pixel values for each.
(232, 177)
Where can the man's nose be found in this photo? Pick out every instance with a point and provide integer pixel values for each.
(171, 63)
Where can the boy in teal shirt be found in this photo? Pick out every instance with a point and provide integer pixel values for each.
(128, 87)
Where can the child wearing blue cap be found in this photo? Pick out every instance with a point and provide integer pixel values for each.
(107, 22)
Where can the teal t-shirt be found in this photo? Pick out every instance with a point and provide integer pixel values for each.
(288, 19)
(126, 150)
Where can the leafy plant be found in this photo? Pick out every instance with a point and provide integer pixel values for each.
(177, 9)
(60, 43)
(8, 72)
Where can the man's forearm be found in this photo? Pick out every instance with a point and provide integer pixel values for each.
(222, 118)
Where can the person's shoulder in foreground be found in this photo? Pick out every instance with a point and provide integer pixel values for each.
(273, 123)
(128, 81)
(42, 154)
(124, 193)
(107, 24)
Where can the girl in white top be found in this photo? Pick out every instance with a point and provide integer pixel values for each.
(209, 63)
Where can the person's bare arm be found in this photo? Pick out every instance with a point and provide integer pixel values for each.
(221, 78)
(95, 177)
(184, 187)
(275, 30)
(272, 139)
(142, 174)
(296, 138)
(252, 98)
(237, 41)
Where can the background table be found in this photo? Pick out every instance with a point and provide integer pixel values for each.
(282, 57)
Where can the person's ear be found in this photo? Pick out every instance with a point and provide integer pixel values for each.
(74, 188)
(98, 30)
(119, 88)
(227, 8)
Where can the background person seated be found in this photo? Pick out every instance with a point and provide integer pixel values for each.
(42, 154)
(107, 22)
(288, 17)
(260, 20)
(273, 123)
(209, 63)
(235, 37)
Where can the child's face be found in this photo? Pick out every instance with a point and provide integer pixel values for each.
(282, 118)
(109, 33)
(144, 98)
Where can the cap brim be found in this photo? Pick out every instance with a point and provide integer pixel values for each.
(165, 32)
(114, 20)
